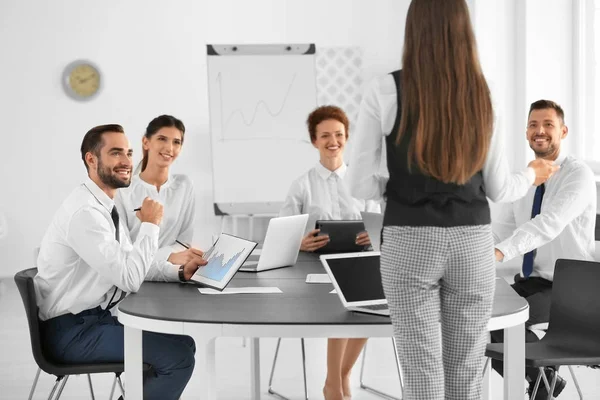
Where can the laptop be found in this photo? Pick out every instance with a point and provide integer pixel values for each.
(357, 281)
(282, 244)
(342, 235)
(373, 224)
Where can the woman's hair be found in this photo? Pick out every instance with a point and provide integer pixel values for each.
(163, 121)
(446, 104)
(324, 113)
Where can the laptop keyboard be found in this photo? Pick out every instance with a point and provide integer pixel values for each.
(376, 307)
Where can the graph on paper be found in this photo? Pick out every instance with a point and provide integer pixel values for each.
(224, 258)
(261, 97)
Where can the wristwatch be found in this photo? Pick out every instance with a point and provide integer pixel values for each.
(181, 276)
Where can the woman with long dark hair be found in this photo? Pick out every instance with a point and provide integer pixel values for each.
(161, 145)
(443, 159)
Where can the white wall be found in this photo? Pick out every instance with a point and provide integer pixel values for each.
(152, 57)
(526, 48)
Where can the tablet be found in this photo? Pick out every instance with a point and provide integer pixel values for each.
(224, 259)
(342, 235)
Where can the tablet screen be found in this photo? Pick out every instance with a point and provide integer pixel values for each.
(224, 258)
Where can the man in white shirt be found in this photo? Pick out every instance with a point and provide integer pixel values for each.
(555, 220)
(87, 263)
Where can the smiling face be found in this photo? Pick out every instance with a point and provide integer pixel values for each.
(545, 131)
(112, 166)
(330, 138)
(163, 147)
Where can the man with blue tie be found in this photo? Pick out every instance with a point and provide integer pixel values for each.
(555, 220)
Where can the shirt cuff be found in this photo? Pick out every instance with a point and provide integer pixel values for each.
(171, 271)
(506, 249)
(530, 174)
(163, 253)
(148, 229)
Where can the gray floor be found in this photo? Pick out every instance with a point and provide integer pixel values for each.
(18, 368)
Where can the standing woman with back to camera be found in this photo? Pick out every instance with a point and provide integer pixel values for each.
(437, 253)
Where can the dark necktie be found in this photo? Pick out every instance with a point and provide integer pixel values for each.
(115, 217)
(535, 210)
(114, 214)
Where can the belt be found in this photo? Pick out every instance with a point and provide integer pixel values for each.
(67, 321)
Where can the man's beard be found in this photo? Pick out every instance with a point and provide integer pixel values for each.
(542, 154)
(109, 179)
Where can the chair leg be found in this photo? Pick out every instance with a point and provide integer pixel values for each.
(373, 390)
(271, 390)
(91, 387)
(398, 367)
(304, 368)
(56, 383)
(553, 384)
(487, 361)
(112, 389)
(35, 381)
(121, 386)
(576, 383)
(543, 375)
(60, 390)
(537, 385)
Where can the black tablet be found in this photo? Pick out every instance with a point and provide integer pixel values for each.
(342, 235)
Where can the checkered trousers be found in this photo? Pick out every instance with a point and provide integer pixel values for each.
(432, 275)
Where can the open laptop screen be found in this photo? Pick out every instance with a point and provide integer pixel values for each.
(358, 278)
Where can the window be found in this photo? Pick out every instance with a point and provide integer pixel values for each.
(586, 81)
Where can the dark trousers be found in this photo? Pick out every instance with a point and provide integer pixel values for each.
(96, 336)
(537, 292)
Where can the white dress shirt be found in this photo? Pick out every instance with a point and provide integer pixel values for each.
(177, 197)
(563, 229)
(80, 262)
(323, 195)
(376, 119)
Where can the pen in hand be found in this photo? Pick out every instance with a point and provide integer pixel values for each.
(137, 209)
(183, 244)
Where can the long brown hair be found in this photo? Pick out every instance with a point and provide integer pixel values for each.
(446, 102)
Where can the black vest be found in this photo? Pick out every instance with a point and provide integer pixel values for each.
(414, 199)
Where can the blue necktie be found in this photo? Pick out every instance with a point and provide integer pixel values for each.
(537, 206)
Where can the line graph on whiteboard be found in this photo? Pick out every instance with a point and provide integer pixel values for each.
(275, 108)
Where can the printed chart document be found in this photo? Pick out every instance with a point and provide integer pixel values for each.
(224, 258)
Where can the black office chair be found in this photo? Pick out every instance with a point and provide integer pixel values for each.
(24, 281)
(573, 336)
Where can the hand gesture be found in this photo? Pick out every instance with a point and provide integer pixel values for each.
(543, 170)
(190, 268)
(312, 241)
(362, 239)
(183, 257)
(151, 211)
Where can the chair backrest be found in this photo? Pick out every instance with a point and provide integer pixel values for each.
(24, 281)
(597, 229)
(575, 304)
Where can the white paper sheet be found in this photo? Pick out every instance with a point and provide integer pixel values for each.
(318, 278)
(241, 290)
